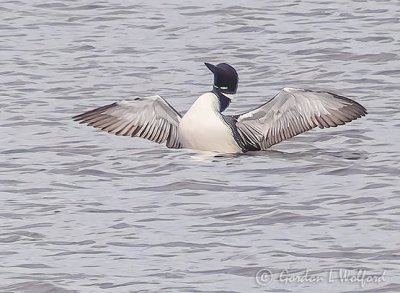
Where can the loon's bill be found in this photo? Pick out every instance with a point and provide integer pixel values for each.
(204, 127)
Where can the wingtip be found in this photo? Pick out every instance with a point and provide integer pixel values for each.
(81, 117)
(365, 111)
(76, 117)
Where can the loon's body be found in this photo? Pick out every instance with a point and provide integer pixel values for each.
(204, 127)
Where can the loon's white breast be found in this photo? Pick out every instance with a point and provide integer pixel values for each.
(203, 127)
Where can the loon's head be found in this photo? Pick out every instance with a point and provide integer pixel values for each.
(226, 78)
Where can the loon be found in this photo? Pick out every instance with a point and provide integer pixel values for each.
(203, 127)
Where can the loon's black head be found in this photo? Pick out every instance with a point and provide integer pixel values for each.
(226, 78)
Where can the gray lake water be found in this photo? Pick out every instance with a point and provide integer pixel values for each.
(85, 211)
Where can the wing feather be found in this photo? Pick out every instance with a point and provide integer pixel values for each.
(294, 111)
(151, 118)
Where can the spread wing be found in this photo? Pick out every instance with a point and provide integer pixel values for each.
(294, 111)
(150, 117)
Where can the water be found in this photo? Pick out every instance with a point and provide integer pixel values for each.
(84, 211)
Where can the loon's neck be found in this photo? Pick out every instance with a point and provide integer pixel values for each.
(224, 101)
